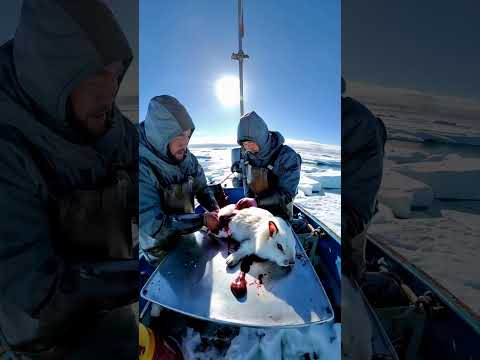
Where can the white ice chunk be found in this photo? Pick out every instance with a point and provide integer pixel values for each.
(310, 184)
(384, 215)
(454, 177)
(400, 202)
(405, 156)
(306, 189)
(329, 179)
(325, 207)
(436, 157)
(401, 193)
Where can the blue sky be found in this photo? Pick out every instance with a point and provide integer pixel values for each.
(429, 46)
(291, 78)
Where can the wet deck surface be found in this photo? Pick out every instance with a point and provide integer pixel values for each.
(195, 280)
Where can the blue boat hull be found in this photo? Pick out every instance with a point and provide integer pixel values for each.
(450, 329)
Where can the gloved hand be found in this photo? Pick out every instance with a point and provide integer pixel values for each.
(211, 221)
(235, 168)
(246, 203)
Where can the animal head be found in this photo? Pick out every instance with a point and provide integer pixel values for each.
(280, 244)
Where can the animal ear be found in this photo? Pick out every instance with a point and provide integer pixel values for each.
(272, 228)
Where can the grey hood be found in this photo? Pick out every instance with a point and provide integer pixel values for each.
(57, 45)
(253, 128)
(52, 54)
(166, 118)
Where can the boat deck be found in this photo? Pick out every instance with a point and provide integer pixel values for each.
(194, 280)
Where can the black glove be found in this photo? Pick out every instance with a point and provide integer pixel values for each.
(207, 199)
(179, 225)
(235, 168)
(278, 199)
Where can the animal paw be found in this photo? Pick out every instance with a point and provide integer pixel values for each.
(232, 260)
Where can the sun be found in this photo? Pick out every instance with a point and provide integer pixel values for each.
(227, 90)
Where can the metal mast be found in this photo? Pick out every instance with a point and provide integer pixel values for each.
(240, 55)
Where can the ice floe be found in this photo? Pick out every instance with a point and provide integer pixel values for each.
(452, 177)
(402, 193)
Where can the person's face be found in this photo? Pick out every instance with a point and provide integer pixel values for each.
(92, 100)
(251, 146)
(178, 145)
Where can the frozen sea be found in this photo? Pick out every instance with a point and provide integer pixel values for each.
(430, 198)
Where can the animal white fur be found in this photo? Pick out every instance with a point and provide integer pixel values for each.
(250, 227)
(227, 210)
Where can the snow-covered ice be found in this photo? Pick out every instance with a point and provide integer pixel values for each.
(450, 178)
(402, 193)
(416, 116)
(444, 246)
(401, 156)
(433, 144)
(384, 215)
(442, 242)
(326, 208)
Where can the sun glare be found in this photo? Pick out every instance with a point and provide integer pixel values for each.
(227, 89)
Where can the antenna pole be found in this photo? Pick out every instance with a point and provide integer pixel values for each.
(240, 55)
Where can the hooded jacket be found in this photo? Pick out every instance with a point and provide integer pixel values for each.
(285, 161)
(57, 44)
(363, 141)
(166, 118)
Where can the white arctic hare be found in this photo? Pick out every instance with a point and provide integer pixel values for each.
(260, 233)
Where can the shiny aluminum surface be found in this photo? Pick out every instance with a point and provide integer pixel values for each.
(194, 280)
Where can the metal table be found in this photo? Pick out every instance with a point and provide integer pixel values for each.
(195, 280)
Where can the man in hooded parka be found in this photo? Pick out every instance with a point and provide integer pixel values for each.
(170, 178)
(271, 170)
(363, 141)
(68, 181)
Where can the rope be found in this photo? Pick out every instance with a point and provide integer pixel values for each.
(226, 178)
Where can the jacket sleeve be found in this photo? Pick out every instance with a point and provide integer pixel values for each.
(287, 167)
(202, 192)
(363, 140)
(156, 227)
(38, 281)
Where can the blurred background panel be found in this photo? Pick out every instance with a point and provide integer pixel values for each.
(415, 66)
(127, 15)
